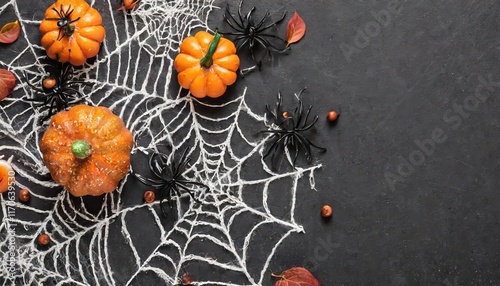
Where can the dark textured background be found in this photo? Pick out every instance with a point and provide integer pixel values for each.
(440, 223)
(437, 223)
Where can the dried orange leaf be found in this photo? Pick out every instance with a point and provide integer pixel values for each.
(296, 29)
(7, 83)
(10, 32)
(296, 276)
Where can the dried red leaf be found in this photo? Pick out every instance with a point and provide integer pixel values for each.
(296, 29)
(7, 83)
(10, 32)
(296, 276)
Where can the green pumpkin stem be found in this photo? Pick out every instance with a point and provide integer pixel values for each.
(207, 61)
(81, 149)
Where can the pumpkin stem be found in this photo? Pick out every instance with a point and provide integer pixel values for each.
(207, 61)
(81, 149)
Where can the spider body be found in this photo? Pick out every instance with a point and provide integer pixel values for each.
(170, 179)
(289, 134)
(64, 22)
(254, 35)
(58, 93)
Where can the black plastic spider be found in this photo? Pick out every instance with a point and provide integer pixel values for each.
(169, 178)
(59, 92)
(253, 35)
(64, 22)
(289, 133)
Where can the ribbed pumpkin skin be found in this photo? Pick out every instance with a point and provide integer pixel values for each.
(86, 39)
(202, 82)
(111, 144)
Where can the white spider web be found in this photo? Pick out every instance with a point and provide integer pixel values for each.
(116, 239)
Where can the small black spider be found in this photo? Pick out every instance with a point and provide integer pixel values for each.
(58, 92)
(289, 132)
(64, 22)
(169, 178)
(251, 34)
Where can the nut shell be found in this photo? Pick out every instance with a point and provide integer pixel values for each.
(326, 211)
(24, 195)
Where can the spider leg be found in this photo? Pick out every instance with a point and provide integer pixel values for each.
(280, 146)
(275, 131)
(241, 44)
(166, 190)
(194, 183)
(321, 149)
(240, 34)
(154, 166)
(183, 164)
(271, 112)
(248, 17)
(310, 125)
(277, 141)
(306, 144)
(150, 182)
(296, 153)
(279, 101)
(299, 114)
(238, 26)
(263, 43)
(272, 36)
(244, 72)
(239, 12)
(256, 27)
(269, 46)
(272, 24)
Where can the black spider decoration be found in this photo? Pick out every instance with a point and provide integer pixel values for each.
(289, 133)
(58, 92)
(64, 22)
(254, 35)
(169, 178)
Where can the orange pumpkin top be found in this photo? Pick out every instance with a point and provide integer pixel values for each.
(206, 64)
(87, 150)
(72, 31)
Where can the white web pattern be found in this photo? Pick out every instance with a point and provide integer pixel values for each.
(123, 241)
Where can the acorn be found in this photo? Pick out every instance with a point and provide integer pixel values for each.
(149, 196)
(326, 211)
(43, 239)
(332, 116)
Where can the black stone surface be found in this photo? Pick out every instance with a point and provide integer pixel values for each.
(413, 163)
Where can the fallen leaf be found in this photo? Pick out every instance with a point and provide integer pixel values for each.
(295, 30)
(296, 276)
(10, 32)
(7, 83)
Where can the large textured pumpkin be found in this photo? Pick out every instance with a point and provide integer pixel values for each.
(206, 64)
(87, 150)
(72, 31)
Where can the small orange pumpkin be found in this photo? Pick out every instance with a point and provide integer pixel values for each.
(72, 31)
(87, 150)
(206, 64)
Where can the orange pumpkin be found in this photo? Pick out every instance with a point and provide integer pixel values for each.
(206, 64)
(87, 150)
(72, 31)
